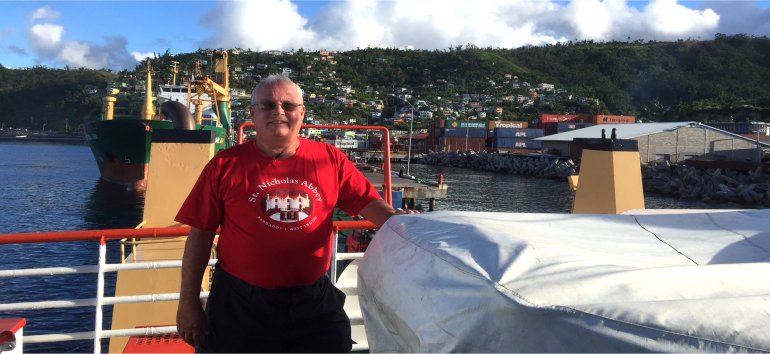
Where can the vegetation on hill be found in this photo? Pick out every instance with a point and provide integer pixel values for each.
(727, 78)
(50, 99)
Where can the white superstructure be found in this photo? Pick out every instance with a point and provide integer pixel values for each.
(180, 94)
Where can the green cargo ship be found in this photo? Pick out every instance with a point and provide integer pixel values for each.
(121, 146)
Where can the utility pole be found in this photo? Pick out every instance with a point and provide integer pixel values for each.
(409, 148)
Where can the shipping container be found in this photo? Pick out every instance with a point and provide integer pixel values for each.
(570, 126)
(514, 143)
(528, 133)
(455, 128)
(550, 128)
(462, 124)
(462, 143)
(608, 119)
(463, 132)
(556, 118)
(492, 124)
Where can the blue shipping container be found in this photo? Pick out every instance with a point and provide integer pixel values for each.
(520, 133)
(463, 132)
(569, 126)
(513, 143)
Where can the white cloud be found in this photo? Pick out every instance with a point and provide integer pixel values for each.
(598, 20)
(44, 13)
(76, 54)
(672, 20)
(259, 25)
(740, 17)
(440, 24)
(45, 38)
(423, 24)
(342, 25)
(49, 47)
(141, 56)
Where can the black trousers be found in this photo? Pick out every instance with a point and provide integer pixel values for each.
(244, 318)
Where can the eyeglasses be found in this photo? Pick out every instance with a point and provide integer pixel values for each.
(287, 106)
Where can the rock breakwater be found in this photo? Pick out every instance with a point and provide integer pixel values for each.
(750, 189)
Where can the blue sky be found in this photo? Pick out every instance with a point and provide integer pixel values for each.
(116, 34)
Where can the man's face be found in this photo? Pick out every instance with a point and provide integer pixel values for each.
(278, 113)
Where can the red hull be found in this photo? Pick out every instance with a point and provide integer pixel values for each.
(132, 176)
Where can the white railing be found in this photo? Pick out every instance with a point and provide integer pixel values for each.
(100, 300)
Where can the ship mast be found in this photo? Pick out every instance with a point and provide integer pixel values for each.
(148, 109)
(174, 71)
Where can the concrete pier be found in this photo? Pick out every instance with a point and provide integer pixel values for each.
(411, 189)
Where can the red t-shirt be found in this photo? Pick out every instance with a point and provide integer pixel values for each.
(275, 215)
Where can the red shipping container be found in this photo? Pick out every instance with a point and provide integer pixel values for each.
(550, 128)
(556, 118)
(463, 144)
(608, 119)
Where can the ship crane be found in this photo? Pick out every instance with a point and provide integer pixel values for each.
(217, 88)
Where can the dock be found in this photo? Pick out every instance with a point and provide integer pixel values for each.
(374, 155)
(411, 189)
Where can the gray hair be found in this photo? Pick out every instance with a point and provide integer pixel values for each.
(271, 80)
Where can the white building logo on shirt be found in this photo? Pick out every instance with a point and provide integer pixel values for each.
(288, 205)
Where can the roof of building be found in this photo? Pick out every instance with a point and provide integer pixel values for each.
(622, 131)
(633, 130)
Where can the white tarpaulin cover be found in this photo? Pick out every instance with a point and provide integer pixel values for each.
(514, 282)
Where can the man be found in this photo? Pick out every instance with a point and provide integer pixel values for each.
(273, 199)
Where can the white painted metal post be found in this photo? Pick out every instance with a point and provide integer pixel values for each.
(333, 267)
(99, 296)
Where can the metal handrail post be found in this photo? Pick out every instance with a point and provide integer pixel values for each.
(100, 296)
(333, 267)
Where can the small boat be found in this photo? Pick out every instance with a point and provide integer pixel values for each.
(21, 136)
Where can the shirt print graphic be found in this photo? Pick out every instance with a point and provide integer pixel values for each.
(288, 205)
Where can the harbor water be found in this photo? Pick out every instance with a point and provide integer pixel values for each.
(56, 187)
(489, 191)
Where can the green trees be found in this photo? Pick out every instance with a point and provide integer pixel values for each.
(54, 99)
(728, 77)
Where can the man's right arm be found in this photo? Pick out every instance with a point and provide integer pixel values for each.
(378, 212)
(190, 318)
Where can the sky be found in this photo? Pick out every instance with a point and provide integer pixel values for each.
(117, 34)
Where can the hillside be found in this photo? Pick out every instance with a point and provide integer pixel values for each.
(715, 80)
